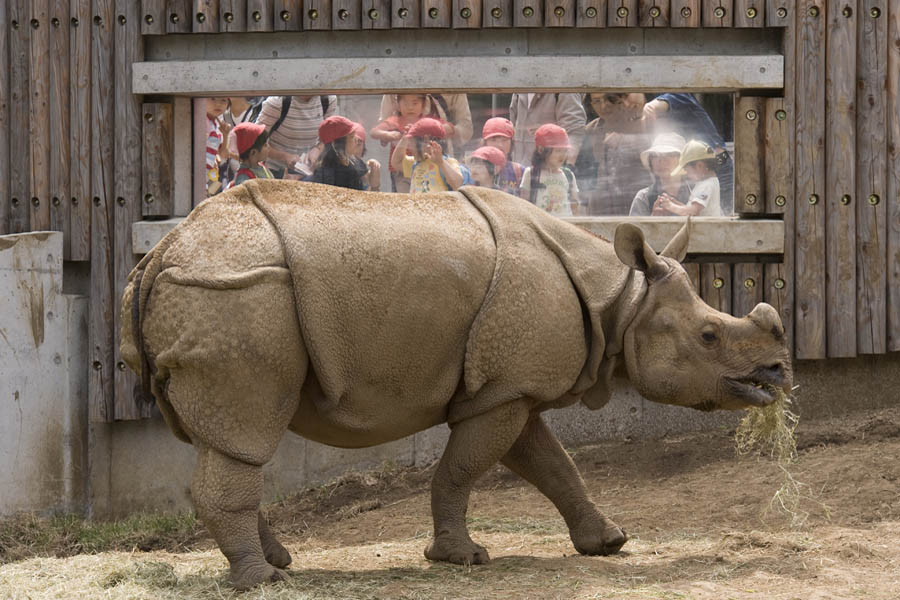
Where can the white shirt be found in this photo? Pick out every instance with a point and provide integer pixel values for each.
(706, 193)
(555, 196)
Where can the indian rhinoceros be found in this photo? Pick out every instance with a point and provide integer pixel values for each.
(354, 319)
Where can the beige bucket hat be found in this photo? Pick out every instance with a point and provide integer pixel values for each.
(664, 143)
(693, 151)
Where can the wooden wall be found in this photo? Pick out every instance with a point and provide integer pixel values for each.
(74, 142)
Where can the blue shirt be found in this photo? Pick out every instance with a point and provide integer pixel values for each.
(691, 120)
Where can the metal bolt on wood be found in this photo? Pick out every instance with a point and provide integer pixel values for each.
(201, 18)
(847, 12)
(751, 13)
(36, 202)
(343, 14)
(718, 283)
(148, 198)
(780, 200)
(749, 283)
(590, 12)
(148, 19)
(813, 198)
(174, 17)
(433, 12)
(874, 12)
(874, 199)
(313, 14)
(35, 23)
(655, 12)
(229, 17)
(750, 199)
(686, 12)
(373, 14)
(496, 12)
(779, 283)
(528, 11)
(622, 12)
(845, 199)
(465, 13)
(752, 115)
(780, 115)
(719, 12)
(814, 11)
(781, 12)
(559, 11)
(55, 22)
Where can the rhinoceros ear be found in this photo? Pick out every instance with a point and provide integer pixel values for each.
(635, 252)
(678, 245)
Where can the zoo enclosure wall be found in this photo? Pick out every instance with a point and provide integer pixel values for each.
(82, 153)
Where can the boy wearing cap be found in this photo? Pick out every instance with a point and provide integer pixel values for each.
(252, 142)
(698, 163)
(547, 183)
(498, 133)
(429, 168)
(485, 164)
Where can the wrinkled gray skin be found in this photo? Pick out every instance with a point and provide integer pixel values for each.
(394, 333)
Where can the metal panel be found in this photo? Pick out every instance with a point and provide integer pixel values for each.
(655, 13)
(718, 13)
(622, 13)
(59, 121)
(840, 179)
(80, 130)
(871, 182)
(749, 169)
(809, 238)
(685, 13)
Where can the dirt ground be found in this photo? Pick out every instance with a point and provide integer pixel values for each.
(693, 509)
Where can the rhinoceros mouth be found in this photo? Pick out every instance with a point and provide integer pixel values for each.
(759, 387)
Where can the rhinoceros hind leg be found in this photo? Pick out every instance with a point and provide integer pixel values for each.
(539, 458)
(276, 554)
(226, 493)
(475, 445)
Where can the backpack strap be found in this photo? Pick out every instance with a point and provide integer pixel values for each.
(285, 107)
(325, 104)
(439, 98)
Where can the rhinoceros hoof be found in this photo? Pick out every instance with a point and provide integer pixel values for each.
(246, 578)
(599, 542)
(276, 555)
(457, 551)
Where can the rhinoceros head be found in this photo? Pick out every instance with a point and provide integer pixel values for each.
(679, 350)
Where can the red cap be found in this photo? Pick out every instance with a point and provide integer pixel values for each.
(246, 134)
(334, 128)
(497, 126)
(551, 135)
(495, 156)
(359, 131)
(427, 126)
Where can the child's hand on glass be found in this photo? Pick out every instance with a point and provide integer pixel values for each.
(434, 152)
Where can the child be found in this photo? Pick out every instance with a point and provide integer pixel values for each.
(698, 162)
(339, 164)
(215, 108)
(429, 168)
(486, 164)
(498, 133)
(372, 178)
(547, 183)
(411, 108)
(252, 142)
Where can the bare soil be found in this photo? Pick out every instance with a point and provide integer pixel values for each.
(696, 514)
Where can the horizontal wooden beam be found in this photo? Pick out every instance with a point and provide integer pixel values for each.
(470, 74)
(714, 236)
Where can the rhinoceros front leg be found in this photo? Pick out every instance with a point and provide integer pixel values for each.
(539, 458)
(226, 493)
(475, 445)
(276, 554)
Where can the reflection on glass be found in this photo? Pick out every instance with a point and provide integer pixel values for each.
(601, 153)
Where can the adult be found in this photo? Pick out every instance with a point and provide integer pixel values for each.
(610, 166)
(683, 114)
(296, 141)
(529, 111)
(451, 109)
(660, 159)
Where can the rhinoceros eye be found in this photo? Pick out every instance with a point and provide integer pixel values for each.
(709, 335)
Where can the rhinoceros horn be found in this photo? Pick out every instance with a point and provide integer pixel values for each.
(633, 250)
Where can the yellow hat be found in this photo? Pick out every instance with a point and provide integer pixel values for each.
(694, 150)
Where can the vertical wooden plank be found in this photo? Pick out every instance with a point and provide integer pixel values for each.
(749, 119)
(59, 121)
(19, 115)
(317, 15)
(289, 15)
(780, 13)
(591, 13)
(693, 271)
(80, 129)
(182, 187)
(232, 15)
(39, 115)
(871, 172)
(102, 405)
(466, 14)
(893, 169)
(622, 13)
(685, 13)
(748, 287)
(528, 13)
(559, 13)
(129, 403)
(405, 14)
(157, 159)
(778, 174)
(205, 16)
(749, 13)
(655, 13)
(259, 15)
(436, 13)
(376, 14)
(840, 179)
(5, 94)
(715, 285)
(718, 13)
(178, 16)
(496, 13)
(198, 150)
(153, 17)
(809, 233)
